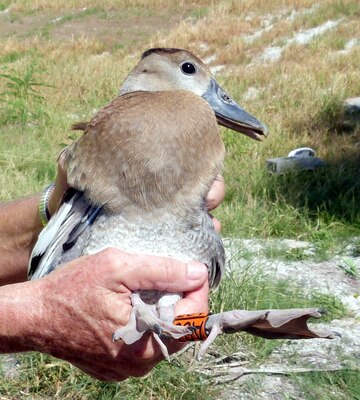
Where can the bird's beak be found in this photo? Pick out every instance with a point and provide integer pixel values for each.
(231, 115)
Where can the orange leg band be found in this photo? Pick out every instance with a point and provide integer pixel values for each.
(197, 320)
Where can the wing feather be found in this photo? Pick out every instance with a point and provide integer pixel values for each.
(58, 238)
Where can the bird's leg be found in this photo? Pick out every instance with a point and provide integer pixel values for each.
(143, 318)
(270, 324)
(228, 322)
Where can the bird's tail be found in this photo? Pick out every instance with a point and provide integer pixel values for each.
(80, 126)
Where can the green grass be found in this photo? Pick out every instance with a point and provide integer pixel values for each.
(306, 205)
(45, 377)
(339, 385)
(200, 12)
(21, 101)
(11, 57)
(81, 14)
(4, 5)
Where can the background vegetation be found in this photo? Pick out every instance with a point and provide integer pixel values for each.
(62, 60)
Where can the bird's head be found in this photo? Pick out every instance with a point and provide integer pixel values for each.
(163, 69)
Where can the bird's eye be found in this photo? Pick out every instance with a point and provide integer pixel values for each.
(188, 68)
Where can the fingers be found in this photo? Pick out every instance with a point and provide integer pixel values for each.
(214, 198)
(216, 223)
(155, 273)
(195, 301)
(216, 193)
(165, 275)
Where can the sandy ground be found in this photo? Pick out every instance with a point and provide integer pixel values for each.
(271, 380)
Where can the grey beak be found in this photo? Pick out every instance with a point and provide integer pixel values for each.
(231, 115)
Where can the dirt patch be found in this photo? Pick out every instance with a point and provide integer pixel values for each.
(14, 25)
(111, 28)
(115, 31)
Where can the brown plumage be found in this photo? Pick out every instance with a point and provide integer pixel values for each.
(139, 178)
(158, 165)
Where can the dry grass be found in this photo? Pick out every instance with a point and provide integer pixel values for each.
(66, 5)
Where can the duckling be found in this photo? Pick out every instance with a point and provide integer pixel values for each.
(139, 177)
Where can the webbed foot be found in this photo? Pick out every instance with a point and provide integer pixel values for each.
(270, 324)
(144, 318)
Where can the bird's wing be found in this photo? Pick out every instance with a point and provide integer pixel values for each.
(56, 242)
(205, 245)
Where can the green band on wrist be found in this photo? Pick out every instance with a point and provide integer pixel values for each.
(44, 204)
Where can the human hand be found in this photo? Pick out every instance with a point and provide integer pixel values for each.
(214, 197)
(85, 301)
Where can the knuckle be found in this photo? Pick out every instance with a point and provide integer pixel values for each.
(172, 270)
(219, 178)
(110, 256)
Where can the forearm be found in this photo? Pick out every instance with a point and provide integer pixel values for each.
(20, 317)
(19, 228)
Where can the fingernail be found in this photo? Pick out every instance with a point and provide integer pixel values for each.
(196, 270)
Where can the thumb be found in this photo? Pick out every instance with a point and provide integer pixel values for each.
(143, 272)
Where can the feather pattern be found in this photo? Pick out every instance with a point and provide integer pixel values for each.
(56, 241)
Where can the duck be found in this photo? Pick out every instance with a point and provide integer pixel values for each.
(139, 177)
